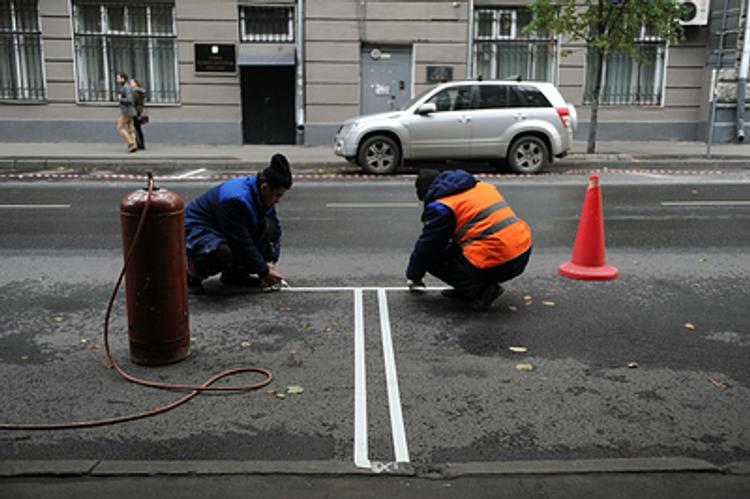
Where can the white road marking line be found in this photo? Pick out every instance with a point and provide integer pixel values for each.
(706, 203)
(332, 289)
(372, 205)
(361, 452)
(34, 206)
(190, 173)
(400, 447)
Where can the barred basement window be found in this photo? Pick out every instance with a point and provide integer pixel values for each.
(137, 39)
(502, 49)
(267, 24)
(21, 62)
(628, 81)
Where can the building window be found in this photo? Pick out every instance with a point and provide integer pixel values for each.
(628, 81)
(502, 50)
(137, 39)
(267, 24)
(21, 66)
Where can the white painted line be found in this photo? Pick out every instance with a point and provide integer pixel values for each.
(190, 173)
(34, 206)
(400, 447)
(372, 205)
(332, 289)
(361, 452)
(706, 203)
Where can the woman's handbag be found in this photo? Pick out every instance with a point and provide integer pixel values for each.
(144, 117)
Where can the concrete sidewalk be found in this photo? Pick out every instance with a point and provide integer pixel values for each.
(165, 157)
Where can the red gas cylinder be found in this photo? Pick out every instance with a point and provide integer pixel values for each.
(156, 279)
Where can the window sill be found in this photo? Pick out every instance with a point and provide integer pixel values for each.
(24, 102)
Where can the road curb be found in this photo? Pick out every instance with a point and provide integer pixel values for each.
(109, 468)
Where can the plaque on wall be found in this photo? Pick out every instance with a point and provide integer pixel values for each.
(439, 74)
(215, 58)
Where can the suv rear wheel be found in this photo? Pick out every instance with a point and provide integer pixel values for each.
(379, 154)
(528, 154)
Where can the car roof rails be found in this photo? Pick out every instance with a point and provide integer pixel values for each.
(514, 77)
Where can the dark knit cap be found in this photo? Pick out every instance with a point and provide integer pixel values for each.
(277, 173)
(425, 178)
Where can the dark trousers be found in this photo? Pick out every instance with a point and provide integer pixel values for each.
(139, 140)
(455, 270)
(227, 258)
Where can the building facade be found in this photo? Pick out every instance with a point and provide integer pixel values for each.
(290, 71)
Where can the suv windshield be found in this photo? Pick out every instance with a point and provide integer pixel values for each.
(416, 98)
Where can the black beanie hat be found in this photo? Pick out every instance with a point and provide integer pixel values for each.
(425, 178)
(277, 173)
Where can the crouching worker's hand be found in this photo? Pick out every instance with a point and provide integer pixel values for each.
(416, 287)
(273, 277)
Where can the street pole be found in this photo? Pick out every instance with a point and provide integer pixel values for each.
(711, 111)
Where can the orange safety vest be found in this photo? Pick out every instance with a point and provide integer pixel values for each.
(487, 229)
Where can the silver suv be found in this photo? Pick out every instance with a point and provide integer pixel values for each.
(526, 123)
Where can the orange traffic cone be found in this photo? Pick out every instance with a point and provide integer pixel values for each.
(588, 260)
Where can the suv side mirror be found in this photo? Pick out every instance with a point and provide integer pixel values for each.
(428, 108)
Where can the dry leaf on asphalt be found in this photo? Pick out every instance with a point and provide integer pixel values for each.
(95, 346)
(518, 349)
(632, 365)
(528, 297)
(512, 308)
(245, 344)
(307, 325)
(525, 367)
(58, 318)
(106, 363)
(271, 391)
(283, 309)
(280, 396)
(549, 303)
(24, 357)
(84, 341)
(689, 325)
(718, 384)
(294, 390)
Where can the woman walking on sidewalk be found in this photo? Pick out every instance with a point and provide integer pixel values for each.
(127, 111)
(139, 98)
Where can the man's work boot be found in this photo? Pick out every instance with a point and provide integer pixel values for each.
(239, 279)
(195, 285)
(455, 294)
(489, 294)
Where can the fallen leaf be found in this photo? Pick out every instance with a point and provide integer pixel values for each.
(272, 391)
(525, 367)
(280, 396)
(549, 303)
(689, 325)
(107, 364)
(632, 365)
(245, 344)
(58, 318)
(307, 325)
(718, 384)
(518, 349)
(512, 308)
(24, 357)
(84, 341)
(529, 302)
(283, 309)
(527, 297)
(704, 259)
(294, 390)
(95, 346)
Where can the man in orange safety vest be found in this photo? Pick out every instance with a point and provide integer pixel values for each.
(471, 239)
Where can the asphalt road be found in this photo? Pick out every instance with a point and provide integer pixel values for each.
(462, 397)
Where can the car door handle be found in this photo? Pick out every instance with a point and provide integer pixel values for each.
(520, 116)
(464, 119)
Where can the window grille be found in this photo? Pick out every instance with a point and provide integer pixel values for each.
(502, 49)
(21, 64)
(628, 81)
(267, 24)
(137, 39)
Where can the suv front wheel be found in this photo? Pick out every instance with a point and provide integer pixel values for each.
(528, 154)
(379, 154)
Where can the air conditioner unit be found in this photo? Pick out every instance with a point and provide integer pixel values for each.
(694, 12)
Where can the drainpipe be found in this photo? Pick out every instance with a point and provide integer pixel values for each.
(742, 77)
(470, 44)
(300, 77)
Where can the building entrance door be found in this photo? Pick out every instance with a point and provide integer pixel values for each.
(268, 104)
(386, 78)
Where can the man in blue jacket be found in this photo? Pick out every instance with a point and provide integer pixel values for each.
(233, 229)
(471, 239)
